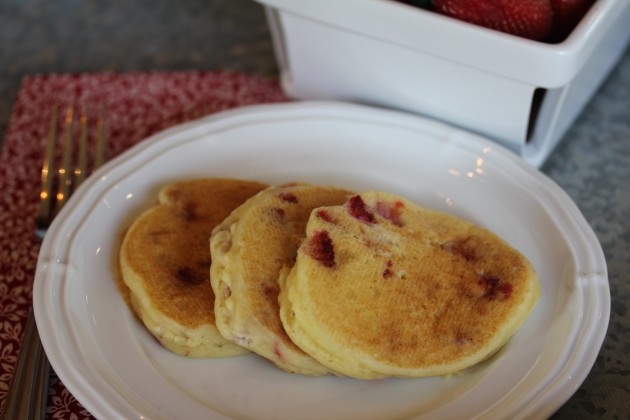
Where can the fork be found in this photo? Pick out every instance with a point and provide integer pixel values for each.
(29, 388)
(68, 178)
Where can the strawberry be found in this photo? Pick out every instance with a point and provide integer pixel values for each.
(526, 18)
(567, 14)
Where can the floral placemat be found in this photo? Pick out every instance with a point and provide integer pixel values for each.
(136, 105)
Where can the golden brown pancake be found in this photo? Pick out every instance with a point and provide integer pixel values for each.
(382, 287)
(164, 261)
(249, 249)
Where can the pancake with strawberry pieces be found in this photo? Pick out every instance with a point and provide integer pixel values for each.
(249, 249)
(165, 262)
(382, 287)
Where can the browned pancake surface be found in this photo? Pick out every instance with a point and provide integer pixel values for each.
(168, 247)
(410, 287)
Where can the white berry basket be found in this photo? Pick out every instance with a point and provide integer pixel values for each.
(524, 94)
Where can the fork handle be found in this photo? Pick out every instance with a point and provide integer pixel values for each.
(28, 393)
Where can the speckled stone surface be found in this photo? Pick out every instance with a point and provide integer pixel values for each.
(592, 163)
(39, 36)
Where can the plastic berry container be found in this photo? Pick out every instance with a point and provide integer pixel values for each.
(524, 94)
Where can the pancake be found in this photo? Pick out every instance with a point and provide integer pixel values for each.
(164, 262)
(382, 287)
(249, 249)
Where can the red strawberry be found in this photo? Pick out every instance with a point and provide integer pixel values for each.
(567, 14)
(526, 18)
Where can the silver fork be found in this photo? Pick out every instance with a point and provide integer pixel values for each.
(28, 393)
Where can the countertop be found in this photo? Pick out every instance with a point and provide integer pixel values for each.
(592, 163)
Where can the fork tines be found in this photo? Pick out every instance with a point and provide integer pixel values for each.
(57, 184)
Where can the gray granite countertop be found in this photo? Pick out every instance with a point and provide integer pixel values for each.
(592, 163)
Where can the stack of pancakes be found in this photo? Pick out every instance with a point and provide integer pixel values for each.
(320, 280)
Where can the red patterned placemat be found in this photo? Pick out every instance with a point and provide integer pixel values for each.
(136, 106)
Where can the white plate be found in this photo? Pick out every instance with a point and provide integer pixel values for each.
(116, 369)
